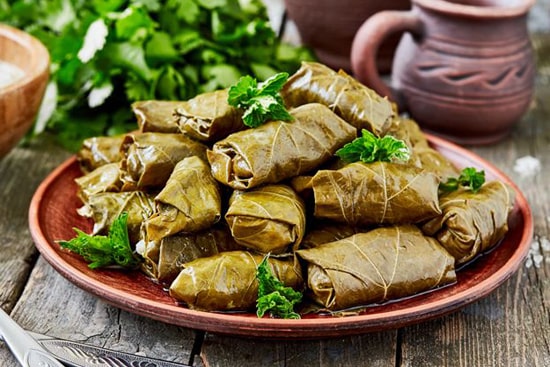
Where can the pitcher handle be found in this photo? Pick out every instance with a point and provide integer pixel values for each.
(368, 39)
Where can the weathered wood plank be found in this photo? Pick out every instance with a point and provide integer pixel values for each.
(373, 350)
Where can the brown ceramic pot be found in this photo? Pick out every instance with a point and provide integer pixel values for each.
(465, 68)
(328, 27)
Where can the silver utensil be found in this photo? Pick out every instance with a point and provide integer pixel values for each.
(37, 350)
(27, 350)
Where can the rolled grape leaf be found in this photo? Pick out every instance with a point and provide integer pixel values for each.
(471, 223)
(423, 155)
(190, 201)
(105, 178)
(103, 208)
(279, 150)
(98, 151)
(156, 116)
(376, 193)
(354, 102)
(325, 232)
(164, 260)
(149, 158)
(386, 263)
(267, 219)
(227, 281)
(208, 117)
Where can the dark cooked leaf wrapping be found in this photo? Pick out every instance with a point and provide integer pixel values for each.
(322, 233)
(208, 117)
(385, 263)
(156, 116)
(164, 260)
(190, 201)
(227, 281)
(99, 151)
(354, 102)
(471, 223)
(279, 150)
(376, 193)
(149, 158)
(423, 155)
(105, 178)
(103, 208)
(267, 219)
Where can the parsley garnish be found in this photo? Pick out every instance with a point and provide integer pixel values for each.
(368, 148)
(273, 296)
(100, 251)
(469, 178)
(261, 102)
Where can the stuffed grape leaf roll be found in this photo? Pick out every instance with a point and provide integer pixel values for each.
(105, 178)
(156, 116)
(372, 267)
(279, 150)
(98, 151)
(376, 193)
(163, 260)
(348, 98)
(149, 158)
(190, 201)
(267, 219)
(103, 208)
(208, 117)
(227, 281)
(470, 222)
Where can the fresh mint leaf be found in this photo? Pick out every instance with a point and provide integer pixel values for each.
(273, 296)
(369, 148)
(469, 178)
(260, 102)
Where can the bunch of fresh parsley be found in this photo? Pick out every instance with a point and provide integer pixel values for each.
(106, 54)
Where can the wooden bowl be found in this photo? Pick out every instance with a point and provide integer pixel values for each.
(20, 101)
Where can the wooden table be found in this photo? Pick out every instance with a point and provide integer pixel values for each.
(510, 327)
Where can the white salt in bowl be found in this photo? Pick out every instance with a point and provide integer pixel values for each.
(24, 65)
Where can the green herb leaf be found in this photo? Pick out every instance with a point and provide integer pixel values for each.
(261, 102)
(273, 296)
(100, 251)
(469, 178)
(368, 148)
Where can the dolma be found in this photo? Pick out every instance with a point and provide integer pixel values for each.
(208, 117)
(98, 151)
(149, 158)
(376, 193)
(190, 201)
(383, 264)
(156, 116)
(105, 178)
(348, 98)
(164, 260)
(472, 223)
(279, 150)
(267, 219)
(104, 208)
(322, 233)
(227, 281)
(423, 155)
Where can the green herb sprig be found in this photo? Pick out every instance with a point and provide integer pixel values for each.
(369, 148)
(273, 296)
(261, 102)
(100, 251)
(469, 178)
(107, 54)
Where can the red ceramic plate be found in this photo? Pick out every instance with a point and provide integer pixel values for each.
(53, 215)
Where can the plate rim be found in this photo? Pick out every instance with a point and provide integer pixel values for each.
(305, 328)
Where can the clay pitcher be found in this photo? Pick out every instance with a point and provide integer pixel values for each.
(464, 69)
